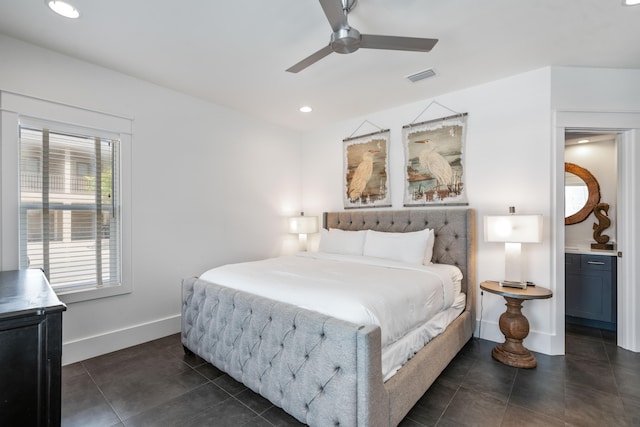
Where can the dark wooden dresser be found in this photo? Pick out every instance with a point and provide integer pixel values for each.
(30, 350)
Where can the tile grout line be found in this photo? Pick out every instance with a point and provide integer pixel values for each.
(102, 394)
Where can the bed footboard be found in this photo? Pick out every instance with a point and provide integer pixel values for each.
(321, 370)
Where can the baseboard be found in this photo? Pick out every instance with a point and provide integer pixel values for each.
(598, 324)
(86, 348)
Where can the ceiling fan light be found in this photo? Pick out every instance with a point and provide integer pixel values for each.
(63, 8)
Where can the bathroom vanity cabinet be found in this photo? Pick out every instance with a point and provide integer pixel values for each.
(590, 290)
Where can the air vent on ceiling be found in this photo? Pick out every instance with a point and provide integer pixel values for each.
(422, 75)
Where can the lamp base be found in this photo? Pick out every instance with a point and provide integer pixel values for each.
(513, 284)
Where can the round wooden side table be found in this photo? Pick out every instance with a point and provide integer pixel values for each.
(513, 324)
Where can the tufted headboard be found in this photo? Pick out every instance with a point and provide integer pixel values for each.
(454, 230)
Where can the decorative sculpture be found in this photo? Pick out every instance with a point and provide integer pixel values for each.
(601, 211)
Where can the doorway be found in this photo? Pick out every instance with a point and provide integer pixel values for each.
(627, 126)
(590, 242)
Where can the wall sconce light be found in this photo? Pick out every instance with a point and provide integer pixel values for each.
(303, 225)
(513, 230)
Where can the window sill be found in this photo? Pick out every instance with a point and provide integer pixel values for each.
(70, 296)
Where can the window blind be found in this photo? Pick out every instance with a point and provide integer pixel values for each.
(70, 207)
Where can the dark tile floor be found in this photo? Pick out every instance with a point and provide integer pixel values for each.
(155, 384)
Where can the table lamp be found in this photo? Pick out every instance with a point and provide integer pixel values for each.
(303, 225)
(513, 230)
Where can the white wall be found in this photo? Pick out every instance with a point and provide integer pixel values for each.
(512, 158)
(599, 158)
(508, 163)
(210, 186)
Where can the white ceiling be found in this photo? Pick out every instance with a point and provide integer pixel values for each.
(234, 53)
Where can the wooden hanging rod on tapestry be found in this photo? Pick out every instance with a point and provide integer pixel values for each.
(435, 120)
(364, 136)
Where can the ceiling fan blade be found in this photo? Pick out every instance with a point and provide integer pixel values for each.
(335, 14)
(309, 60)
(397, 43)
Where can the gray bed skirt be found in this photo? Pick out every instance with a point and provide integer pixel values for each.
(321, 370)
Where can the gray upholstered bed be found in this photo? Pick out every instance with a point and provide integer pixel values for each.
(322, 370)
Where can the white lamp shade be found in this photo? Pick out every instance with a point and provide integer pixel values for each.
(513, 228)
(303, 224)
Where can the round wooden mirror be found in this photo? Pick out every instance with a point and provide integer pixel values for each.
(581, 193)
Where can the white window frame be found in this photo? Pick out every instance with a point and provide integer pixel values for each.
(14, 108)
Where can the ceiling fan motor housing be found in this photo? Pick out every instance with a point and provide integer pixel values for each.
(345, 40)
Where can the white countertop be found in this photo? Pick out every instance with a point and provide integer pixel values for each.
(586, 250)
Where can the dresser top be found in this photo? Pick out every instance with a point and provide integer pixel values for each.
(27, 292)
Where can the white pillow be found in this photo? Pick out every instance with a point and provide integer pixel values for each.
(428, 252)
(336, 241)
(406, 247)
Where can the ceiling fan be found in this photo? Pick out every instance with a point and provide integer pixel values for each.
(346, 39)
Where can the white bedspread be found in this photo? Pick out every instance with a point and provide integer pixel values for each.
(364, 290)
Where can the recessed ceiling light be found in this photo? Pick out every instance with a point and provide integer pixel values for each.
(305, 109)
(583, 141)
(63, 8)
(631, 2)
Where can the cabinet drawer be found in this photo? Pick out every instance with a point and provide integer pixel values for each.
(597, 262)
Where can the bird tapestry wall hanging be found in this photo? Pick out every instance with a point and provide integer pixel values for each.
(366, 171)
(434, 155)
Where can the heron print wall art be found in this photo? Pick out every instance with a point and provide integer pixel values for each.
(434, 154)
(366, 171)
